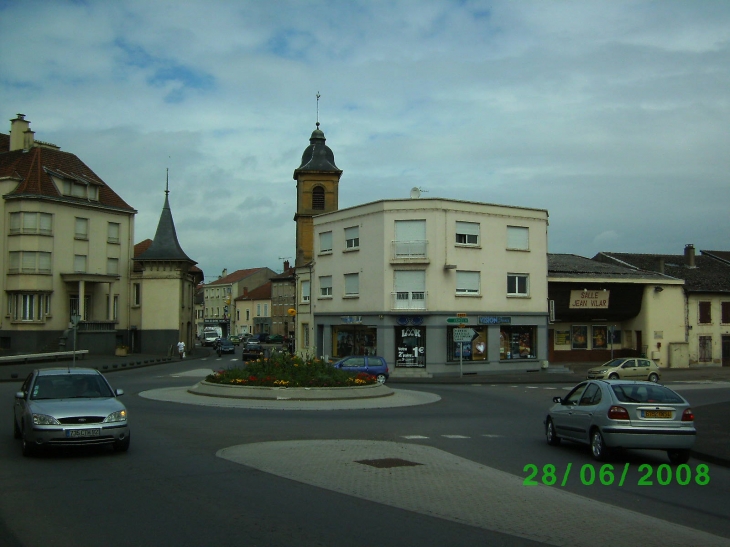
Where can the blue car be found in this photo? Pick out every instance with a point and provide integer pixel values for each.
(376, 366)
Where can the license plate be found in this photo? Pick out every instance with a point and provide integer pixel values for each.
(83, 433)
(657, 414)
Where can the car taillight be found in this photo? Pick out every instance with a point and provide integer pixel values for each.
(688, 415)
(618, 413)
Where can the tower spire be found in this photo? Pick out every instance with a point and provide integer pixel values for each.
(318, 96)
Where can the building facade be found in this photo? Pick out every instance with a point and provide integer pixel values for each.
(254, 309)
(66, 250)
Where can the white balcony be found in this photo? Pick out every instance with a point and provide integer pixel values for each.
(408, 300)
(410, 252)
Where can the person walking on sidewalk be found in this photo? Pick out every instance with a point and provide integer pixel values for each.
(181, 349)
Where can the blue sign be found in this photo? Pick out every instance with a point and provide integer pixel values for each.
(352, 319)
(494, 320)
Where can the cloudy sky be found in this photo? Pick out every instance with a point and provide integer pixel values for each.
(614, 116)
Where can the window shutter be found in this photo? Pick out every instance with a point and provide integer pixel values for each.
(518, 238)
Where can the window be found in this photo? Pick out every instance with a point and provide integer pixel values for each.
(467, 282)
(725, 307)
(266, 310)
(410, 290)
(112, 266)
(517, 342)
(518, 285)
(325, 286)
(352, 237)
(80, 263)
(115, 311)
(31, 223)
(248, 314)
(112, 233)
(305, 335)
(258, 310)
(410, 239)
(467, 233)
(705, 309)
(318, 198)
(29, 262)
(705, 349)
(80, 190)
(305, 291)
(352, 284)
(518, 238)
(325, 242)
(82, 228)
(29, 306)
(136, 295)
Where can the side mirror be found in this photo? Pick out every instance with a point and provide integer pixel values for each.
(119, 392)
(20, 394)
(557, 399)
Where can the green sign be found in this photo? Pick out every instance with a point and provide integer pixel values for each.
(464, 320)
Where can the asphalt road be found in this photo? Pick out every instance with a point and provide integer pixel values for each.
(173, 489)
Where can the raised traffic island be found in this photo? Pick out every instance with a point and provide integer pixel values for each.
(211, 389)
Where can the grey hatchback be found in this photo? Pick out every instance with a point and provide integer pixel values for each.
(608, 414)
(69, 407)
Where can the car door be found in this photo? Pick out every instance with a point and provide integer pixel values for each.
(629, 370)
(354, 364)
(374, 366)
(562, 414)
(582, 417)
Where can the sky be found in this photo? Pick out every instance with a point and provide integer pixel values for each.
(614, 116)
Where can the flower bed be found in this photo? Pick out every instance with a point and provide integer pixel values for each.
(284, 370)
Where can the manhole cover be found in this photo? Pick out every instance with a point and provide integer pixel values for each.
(385, 463)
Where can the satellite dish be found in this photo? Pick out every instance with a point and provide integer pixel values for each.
(415, 192)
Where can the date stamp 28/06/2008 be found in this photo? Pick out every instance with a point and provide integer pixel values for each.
(607, 475)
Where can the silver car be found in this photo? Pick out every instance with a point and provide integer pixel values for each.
(609, 414)
(69, 407)
(629, 368)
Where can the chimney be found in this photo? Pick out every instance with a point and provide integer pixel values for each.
(21, 137)
(245, 291)
(286, 265)
(660, 269)
(224, 273)
(689, 255)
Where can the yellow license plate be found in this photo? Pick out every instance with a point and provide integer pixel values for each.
(657, 414)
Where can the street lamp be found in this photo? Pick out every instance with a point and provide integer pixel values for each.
(75, 318)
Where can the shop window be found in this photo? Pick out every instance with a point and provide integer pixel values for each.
(410, 346)
(579, 337)
(518, 342)
(705, 312)
(354, 340)
(475, 350)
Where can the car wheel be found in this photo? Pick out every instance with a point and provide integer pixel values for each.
(599, 450)
(381, 378)
(123, 445)
(16, 430)
(28, 447)
(613, 376)
(653, 377)
(550, 435)
(678, 456)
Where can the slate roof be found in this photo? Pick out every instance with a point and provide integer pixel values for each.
(708, 275)
(719, 255)
(165, 246)
(142, 246)
(32, 169)
(317, 156)
(570, 265)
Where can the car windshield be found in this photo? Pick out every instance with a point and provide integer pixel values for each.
(70, 386)
(645, 393)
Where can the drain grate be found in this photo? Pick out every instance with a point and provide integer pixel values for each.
(387, 463)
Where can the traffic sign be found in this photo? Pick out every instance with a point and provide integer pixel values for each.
(463, 335)
(457, 320)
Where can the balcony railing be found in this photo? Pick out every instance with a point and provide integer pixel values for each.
(410, 251)
(408, 300)
(96, 326)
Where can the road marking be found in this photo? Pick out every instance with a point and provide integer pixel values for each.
(492, 436)
(532, 387)
(456, 436)
(414, 437)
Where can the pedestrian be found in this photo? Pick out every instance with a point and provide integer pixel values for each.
(181, 349)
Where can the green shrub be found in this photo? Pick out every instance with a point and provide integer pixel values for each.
(285, 370)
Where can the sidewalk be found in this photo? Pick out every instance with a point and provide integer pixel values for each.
(713, 423)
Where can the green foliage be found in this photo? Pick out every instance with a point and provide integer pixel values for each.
(285, 370)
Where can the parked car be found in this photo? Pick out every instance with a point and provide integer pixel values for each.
(275, 339)
(376, 366)
(630, 368)
(252, 350)
(610, 414)
(69, 407)
(235, 339)
(260, 337)
(225, 346)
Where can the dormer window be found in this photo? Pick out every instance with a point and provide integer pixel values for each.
(80, 190)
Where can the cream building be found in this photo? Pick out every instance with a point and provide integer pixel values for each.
(66, 248)
(253, 311)
(397, 277)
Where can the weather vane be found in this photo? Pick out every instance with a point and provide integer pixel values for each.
(318, 96)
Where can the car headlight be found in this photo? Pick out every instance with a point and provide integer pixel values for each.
(43, 419)
(118, 416)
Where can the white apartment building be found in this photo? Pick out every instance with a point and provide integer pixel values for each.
(396, 278)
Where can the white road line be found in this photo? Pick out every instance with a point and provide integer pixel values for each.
(492, 436)
(456, 436)
(414, 437)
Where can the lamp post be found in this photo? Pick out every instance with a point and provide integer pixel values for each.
(75, 318)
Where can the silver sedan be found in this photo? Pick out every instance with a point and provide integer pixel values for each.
(69, 407)
(609, 414)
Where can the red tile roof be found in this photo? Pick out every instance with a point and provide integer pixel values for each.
(235, 276)
(259, 293)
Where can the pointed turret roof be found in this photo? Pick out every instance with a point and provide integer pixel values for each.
(165, 246)
(317, 156)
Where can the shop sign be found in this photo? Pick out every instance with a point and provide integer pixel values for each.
(351, 319)
(494, 320)
(411, 347)
(589, 300)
